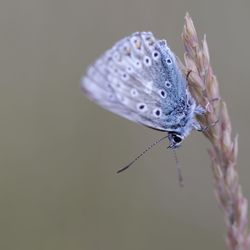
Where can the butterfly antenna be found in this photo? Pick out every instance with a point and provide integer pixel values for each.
(178, 167)
(139, 156)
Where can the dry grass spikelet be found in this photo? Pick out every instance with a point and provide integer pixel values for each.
(224, 150)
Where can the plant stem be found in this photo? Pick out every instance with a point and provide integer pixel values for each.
(224, 150)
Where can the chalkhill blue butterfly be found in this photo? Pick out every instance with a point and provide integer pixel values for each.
(139, 78)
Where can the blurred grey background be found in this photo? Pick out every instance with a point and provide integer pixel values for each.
(59, 152)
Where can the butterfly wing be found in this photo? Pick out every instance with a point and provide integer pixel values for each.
(139, 79)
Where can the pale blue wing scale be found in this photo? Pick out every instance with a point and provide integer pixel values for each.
(139, 79)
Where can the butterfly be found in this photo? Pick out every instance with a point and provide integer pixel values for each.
(140, 79)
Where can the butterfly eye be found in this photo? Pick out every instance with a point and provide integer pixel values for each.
(157, 112)
(168, 84)
(177, 139)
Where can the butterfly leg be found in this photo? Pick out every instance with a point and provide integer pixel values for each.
(188, 73)
(196, 125)
(199, 110)
(210, 125)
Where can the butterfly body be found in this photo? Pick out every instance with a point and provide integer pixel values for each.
(139, 79)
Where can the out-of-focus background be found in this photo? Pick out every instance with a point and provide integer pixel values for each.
(59, 152)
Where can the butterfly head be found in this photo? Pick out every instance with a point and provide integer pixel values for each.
(175, 140)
